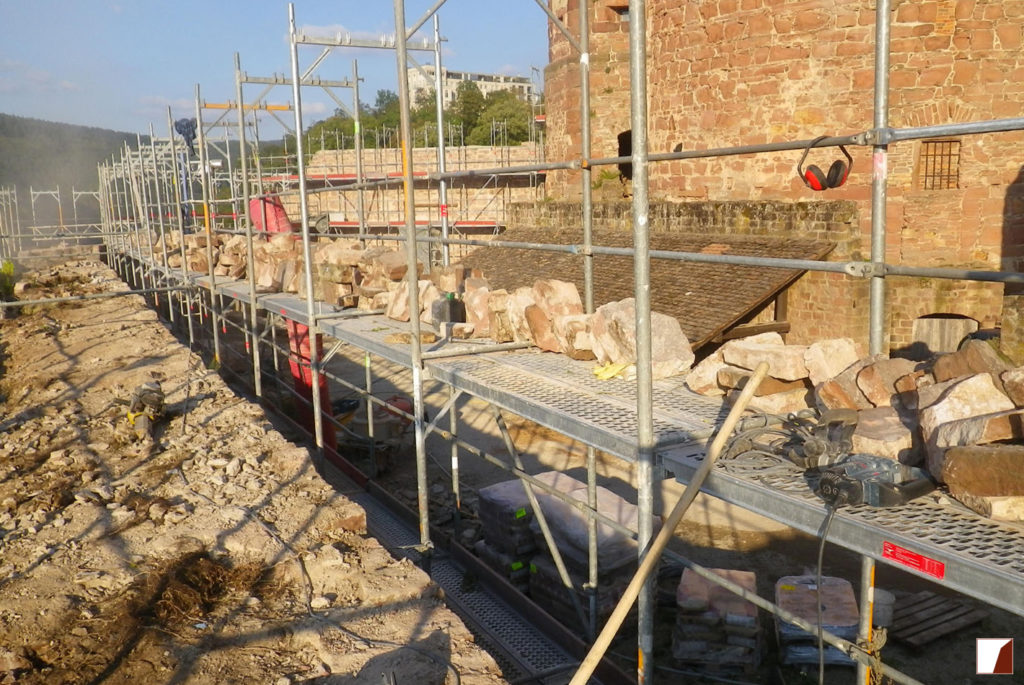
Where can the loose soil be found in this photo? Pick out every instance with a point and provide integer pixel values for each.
(213, 552)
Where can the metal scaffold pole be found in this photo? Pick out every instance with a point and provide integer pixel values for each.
(441, 162)
(176, 184)
(204, 175)
(642, 295)
(251, 337)
(412, 277)
(307, 252)
(358, 143)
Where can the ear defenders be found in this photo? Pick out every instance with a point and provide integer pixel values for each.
(837, 174)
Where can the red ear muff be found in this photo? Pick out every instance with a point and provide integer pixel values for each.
(837, 174)
(815, 179)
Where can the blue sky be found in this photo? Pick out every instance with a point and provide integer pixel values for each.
(118, 64)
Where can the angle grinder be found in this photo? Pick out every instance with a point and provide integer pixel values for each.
(875, 481)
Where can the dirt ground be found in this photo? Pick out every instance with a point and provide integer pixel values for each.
(212, 553)
(217, 552)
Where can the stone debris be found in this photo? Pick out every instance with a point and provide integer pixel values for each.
(219, 526)
(914, 412)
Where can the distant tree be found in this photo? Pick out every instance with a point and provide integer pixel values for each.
(468, 104)
(504, 111)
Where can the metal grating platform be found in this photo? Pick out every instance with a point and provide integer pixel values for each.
(517, 645)
(947, 544)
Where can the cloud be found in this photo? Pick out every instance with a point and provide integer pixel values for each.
(315, 108)
(154, 108)
(19, 77)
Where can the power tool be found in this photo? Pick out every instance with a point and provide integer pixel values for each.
(866, 479)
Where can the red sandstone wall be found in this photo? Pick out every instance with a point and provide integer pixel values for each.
(735, 72)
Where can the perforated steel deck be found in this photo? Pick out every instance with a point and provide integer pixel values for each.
(519, 647)
(947, 544)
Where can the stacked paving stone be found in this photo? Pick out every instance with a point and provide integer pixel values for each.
(800, 595)
(960, 415)
(616, 552)
(714, 627)
(505, 514)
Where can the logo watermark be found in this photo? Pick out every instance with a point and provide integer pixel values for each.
(995, 655)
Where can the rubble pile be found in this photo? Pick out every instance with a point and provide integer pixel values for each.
(210, 550)
(955, 414)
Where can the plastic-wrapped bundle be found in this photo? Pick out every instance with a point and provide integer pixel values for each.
(517, 571)
(616, 550)
(715, 626)
(839, 616)
(547, 590)
(505, 512)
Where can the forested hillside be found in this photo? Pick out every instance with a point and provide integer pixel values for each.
(45, 154)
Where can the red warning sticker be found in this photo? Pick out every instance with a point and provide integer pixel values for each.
(918, 562)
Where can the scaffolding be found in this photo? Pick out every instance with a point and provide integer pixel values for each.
(653, 425)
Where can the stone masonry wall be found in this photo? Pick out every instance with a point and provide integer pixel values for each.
(734, 72)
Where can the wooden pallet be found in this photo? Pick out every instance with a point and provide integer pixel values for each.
(924, 617)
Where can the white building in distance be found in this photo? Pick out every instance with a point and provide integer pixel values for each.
(422, 81)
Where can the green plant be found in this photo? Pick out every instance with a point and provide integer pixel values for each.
(7, 279)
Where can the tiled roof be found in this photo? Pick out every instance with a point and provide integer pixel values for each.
(707, 299)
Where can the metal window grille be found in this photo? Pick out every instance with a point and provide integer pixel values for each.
(938, 166)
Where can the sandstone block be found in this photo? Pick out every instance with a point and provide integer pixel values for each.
(878, 379)
(567, 328)
(734, 378)
(613, 332)
(557, 298)
(826, 359)
(974, 356)
(779, 403)
(498, 323)
(541, 330)
(1013, 384)
(398, 303)
(842, 392)
(975, 430)
(392, 265)
(448, 279)
(703, 378)
(462, 331)
(477, 312)
(475, 283)
(785, 362)
(518, 301)
(881, 431)
(988, 479)
(431, 301)
(965, 398)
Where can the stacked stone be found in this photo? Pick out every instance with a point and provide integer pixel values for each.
(953, 413)
(715, 627)
(568, 525)
(800, 595)
(505, 514)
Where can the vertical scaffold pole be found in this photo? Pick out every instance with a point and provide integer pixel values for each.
(204, 175)
(175, 180)
(412, 277)
(442, 166)
(160, 218)
(877, 341)
(357, 129)
(588, 296)
(642, 294)
(251, 336)
(307, 252)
